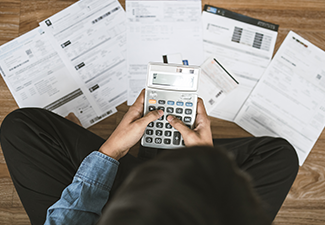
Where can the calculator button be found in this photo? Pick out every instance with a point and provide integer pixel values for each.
(158, 140)
(170, 103)
(149, 132)
(168, 133)
(187, 119)
(179, 110)
(159, 124)
(161, 102)
(159, 132)
(167, 141)
(179, 117)
(189, 104)
(176, 138)
(152, 108)
(161, 108)
(168, 126)
(170, 110)
(148, 139)
(150, 124)
(152, 101)
(180, 103)
(188, 111)
(161, 118)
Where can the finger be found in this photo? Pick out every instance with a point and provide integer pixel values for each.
(151, 116)
(179, 125)
(202, 116)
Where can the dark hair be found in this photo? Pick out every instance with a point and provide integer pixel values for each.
(197, 185)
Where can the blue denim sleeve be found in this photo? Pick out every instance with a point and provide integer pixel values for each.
(83, 200)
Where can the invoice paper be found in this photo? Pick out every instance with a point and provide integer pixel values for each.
(215, 83)
(242, 44)
(289, 100)
(37, 77)
(159, 28)
(90, 37)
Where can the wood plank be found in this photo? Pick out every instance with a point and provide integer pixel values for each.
(9, 20)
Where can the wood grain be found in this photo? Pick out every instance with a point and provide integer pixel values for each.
(305, 203)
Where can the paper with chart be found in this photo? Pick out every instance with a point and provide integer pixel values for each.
(215, 83)
(37, 77)
(90, 37)
(159, 28)
(242, 44)
(289, 100)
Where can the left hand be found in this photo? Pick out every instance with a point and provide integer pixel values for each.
(130, 129)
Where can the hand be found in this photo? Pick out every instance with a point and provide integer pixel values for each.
(130, 129)
(201, 134)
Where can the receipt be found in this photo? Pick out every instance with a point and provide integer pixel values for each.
(215, 83)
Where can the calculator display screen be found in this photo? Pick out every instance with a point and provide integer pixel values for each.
(173, 80)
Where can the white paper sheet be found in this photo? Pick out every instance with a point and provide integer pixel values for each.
(215, 83)
(157, 28)
(289, 100)
(37, 77)
(243, 45)
(90, 37)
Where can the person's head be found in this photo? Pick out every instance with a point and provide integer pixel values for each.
(197, 185)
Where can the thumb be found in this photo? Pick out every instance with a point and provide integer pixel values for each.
(151, 116)
(178, 125)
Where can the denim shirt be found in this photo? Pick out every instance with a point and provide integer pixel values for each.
(83, 200)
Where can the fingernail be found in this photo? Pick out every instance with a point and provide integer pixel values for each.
(170, 118)
(161, 113)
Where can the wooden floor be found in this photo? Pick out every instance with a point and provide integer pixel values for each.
(305, 203)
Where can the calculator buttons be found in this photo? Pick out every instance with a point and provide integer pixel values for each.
(188, 111)
(187, 119)
(161, 108)
(158, 140)
(161, 118)
(148, 139)
(179, 110)
(168, 133)
(161, 102)
(168, 126)
(150, 124)
(167, 141)
(152, 108)
(170, 110)
(159, 125)
(149, 132)
(152, 101)
(159, 132)
(188, 104)
(179, 103)
(170, 103)
(176, 138)
(179, 117)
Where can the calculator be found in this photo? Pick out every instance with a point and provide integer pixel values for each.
(173, 89)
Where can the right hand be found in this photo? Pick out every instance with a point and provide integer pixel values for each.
(201, 134)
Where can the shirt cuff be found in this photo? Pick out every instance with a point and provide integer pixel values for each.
(98, 169)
